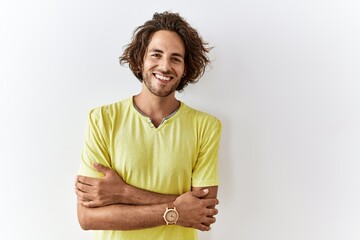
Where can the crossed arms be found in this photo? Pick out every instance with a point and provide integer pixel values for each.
(109, 203)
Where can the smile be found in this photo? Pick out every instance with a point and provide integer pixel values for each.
(162, 77)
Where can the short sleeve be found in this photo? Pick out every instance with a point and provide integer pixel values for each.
(96, 144)
(205, 172)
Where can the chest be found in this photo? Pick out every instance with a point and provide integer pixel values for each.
(168, 152)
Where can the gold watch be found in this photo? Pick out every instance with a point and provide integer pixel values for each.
(171, 216)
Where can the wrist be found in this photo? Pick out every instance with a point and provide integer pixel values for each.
(171, 215)
(125, 194)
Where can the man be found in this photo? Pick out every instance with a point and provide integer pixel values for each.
(149, 164)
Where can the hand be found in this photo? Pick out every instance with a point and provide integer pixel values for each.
(99, 192)
(196, 212)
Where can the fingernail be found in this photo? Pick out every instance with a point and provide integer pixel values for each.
(205, 190)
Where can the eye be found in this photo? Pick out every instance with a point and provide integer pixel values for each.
(156, 55)
(178, 60)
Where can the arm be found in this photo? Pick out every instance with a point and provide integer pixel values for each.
(120, 217)
(193, 211)
(111, 189)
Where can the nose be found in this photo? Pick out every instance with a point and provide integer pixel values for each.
(164, 65)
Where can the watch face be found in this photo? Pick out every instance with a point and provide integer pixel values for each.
(171, 216)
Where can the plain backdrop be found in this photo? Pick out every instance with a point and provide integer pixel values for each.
(284, 81)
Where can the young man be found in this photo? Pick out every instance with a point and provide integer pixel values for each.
(149, 165)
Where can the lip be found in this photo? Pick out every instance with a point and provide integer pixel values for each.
(166, 78)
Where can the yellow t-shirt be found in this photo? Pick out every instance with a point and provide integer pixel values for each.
(182, 152)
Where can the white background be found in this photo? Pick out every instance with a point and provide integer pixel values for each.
(284, 81)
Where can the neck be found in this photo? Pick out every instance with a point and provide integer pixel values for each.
(156, 108)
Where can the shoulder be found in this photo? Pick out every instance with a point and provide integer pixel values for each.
(107, 112)
(201, 118)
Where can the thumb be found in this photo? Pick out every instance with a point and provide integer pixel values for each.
(101, 168)
(200, 193)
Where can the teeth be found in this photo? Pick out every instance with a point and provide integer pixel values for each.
(162, 77)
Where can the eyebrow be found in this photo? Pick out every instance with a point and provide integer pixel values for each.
(160, 51)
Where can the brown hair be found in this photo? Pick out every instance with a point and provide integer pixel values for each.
(196, 51)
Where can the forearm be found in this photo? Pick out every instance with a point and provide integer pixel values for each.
(111, 189)
(137, 196)
(121, 217)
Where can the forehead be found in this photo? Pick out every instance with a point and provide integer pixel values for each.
(167, 41)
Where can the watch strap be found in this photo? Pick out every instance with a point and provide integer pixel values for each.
(171, 205)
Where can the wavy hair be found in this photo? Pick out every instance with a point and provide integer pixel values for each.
(196, 49)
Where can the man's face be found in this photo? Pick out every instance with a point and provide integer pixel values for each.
(164, 63)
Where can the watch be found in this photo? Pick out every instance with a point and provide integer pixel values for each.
(171, 215)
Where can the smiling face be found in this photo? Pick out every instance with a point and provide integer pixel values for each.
(164, 63)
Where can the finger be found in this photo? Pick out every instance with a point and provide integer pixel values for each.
(210, 202)
(90, 204)
(101, 168)
(81, 196)
(212, 212)
(203, 227)
(86, 180)
(200, 193)
(86, 188)
(208, 221)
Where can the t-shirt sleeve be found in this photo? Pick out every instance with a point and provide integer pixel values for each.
(96, 145)
(205, 172)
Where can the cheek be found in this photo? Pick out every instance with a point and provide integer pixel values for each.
(149, 64)
(181, 71)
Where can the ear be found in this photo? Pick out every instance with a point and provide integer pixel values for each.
(184, 73)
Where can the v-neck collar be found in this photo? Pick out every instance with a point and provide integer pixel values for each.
(148, 119)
